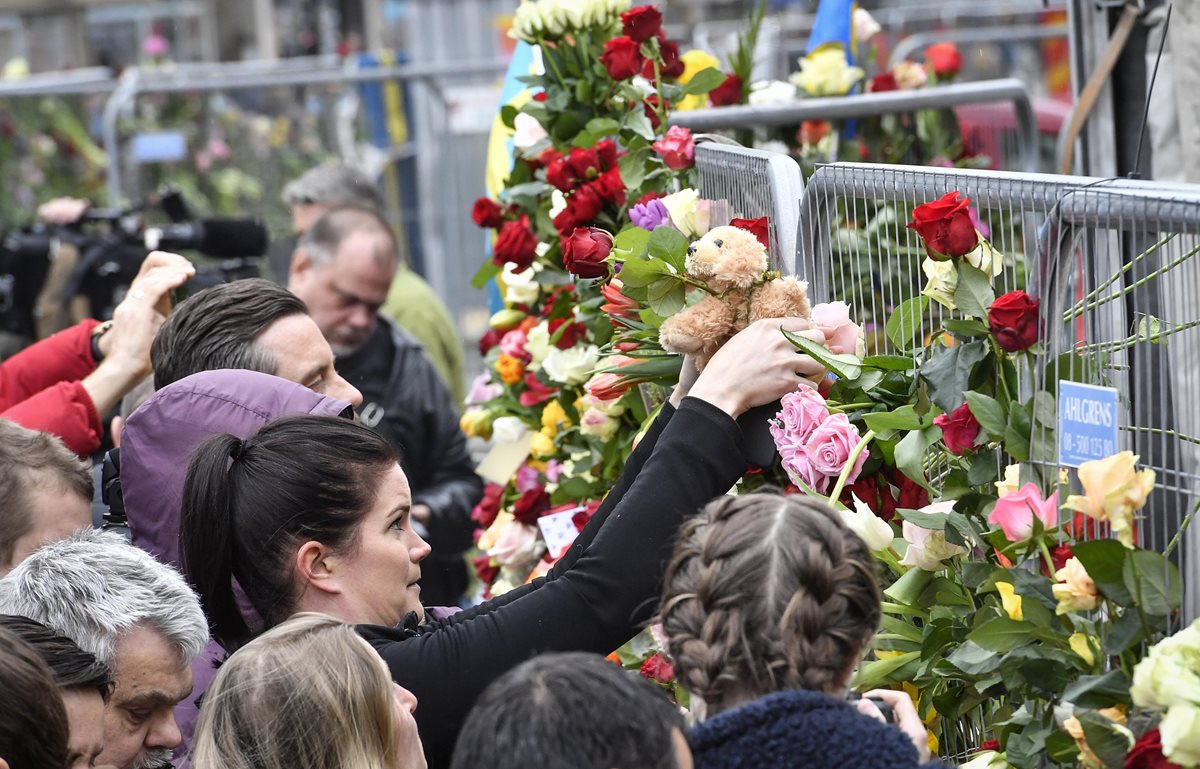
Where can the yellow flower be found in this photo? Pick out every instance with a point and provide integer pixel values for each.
(826, 72)
(1010, 483)
(695, 61)
(1081, 645)
(1113, 492)
(1010, 600)
(943, 282)
(1075, 590)
(541, 445)
(510, 369)
(476, 423)
(554, 419)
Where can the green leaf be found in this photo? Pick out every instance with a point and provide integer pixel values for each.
(668, 244)
(904, 418)
(1107, 741)
(984, 467)
(910, 453)
(948, 373)
(704, 81)
(1099, 691)
(966, 327)
(1017, 432)
(931, 521)
(1104, 560)
(909, 587)
(508, 115)
(1062, 749)
(666, 296)
(633, 168)
(602, 126)
(989, 413)
(637, 122)
(845, 366)
(1045, 412)
(638, 272)
(1002, 634)
(973, 659)
(875, 673)
(974, 293)
(889, 362)
(904, 326)
(631, 243)
(486, 272)
(1024, 748)
(1123, 634)
(1160, 588)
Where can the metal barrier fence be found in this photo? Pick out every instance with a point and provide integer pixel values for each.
(1011, 91)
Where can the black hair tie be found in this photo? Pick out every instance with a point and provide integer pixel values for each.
(235, 450)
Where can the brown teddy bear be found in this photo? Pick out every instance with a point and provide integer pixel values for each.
(731, 262)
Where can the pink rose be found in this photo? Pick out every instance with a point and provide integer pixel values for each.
(513, 343)
(800, 470)
(1014, 513)
(677, 148)
(518, 542)
(830, 446)
(846, 333)
(803, 412)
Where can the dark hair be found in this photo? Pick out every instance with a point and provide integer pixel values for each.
(73, 668)
(218, 328)
(33, 460)
(569, 711)
(325, 236)
(33, 721)
(299, 479)
(766, 593)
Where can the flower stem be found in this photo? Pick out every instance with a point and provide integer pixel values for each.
(1075, 310)
(1183, 526)
(1047, 558)
(854, 455)
(851, 407)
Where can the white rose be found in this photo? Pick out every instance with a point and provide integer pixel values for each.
(570, 367)
(520, 287)
(689, 213)
(1180, 731)
(985, 259)
(537, 344)
(872, 529)
(768, 92)
(508, 430)
(527, 23)
(927, 548)
(865, 26)
(527, 131)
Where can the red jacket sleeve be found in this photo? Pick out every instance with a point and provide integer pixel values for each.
(40, 388)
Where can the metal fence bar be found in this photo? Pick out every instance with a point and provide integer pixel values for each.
(1009, 90)
(1023, 33)
(82, 82)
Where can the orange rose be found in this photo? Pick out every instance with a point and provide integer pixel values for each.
(510, 369)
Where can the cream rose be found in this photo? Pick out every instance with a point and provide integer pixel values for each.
(927, 549)
(509, 430)
(826, 72)
(1180, 731)
(689, 213)
(910, 75)
(537, 344)
(1075, 590)
(943, 282)
(571, 367)
(1113, 492)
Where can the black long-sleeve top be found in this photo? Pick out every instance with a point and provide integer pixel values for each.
(599, 595)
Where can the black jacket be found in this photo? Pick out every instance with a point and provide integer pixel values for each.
(406, 401)
(598, 596)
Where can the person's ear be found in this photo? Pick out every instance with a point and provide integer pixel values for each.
(316, 566)
(844, 681)
(301, 265)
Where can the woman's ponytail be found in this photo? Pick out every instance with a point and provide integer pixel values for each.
(207, 535)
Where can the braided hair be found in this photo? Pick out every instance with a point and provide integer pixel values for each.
(766, 593)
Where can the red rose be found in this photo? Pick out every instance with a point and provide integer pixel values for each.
(535, 391)
(611, 187)
(641, 23)
(813, 131)
(548, 156)
(944, 58)
(532, 505)
(622, 58)
(485, 512)
(913, 496)
(727, 93)
(644, 199)
(585, 163)
(885, 81)
(960, 428)
(585, 250)
(582, 209)
(677, 148)
(561, 300)
(561, 174)
(484, 569)
(1013, 319)
(758, 227)
(571, 335)
(490, 340)
(656, 668)
(990, 745)
(606, 150)
(945, 226)
(1147, 753)
(581, 518)
(517, 244)
(1059, 555)
(672, 66)
(487, 213)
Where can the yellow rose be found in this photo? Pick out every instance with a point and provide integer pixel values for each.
(554, 419)
(541, 445)
(826, 72)
(1082, 646)
(510, 369)
(694, 61)
(476, 423)
(1113, 492)
(1010, 600)
(1075, 590)
(1010, 483)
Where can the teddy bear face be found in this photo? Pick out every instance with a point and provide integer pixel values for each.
(727, 257)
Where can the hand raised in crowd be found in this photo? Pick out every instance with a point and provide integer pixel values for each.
(758, 365)
(907, 719)
(63, 210)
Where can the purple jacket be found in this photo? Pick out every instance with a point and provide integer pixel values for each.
(156, 448)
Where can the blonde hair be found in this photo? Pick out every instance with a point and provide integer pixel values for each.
(309, 693)
(766, 593)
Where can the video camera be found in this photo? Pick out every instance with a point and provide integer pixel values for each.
(112, 245)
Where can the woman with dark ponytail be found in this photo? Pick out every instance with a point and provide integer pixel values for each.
(311, 514)
(768, 604)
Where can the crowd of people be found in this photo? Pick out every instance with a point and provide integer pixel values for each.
(287, 507)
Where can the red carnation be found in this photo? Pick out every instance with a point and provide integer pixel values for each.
(487, 213)
(656, 668)
(945, 226)
(485, 512)
(532, 505)
(727, 93)
(884, 81)
(641, 23)
(517, 244)
(1013, 320)
(561, 174)
(571, 335)
(1147, 753)
(611, 187)
(490, 340)
(960, 428)
(622, 58)
(585, 252)
(585, 163)
(944, 58)
(757, 227)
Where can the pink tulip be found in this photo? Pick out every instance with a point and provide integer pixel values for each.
(1014, 513)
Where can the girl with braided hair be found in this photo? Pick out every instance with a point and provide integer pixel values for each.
(768, 603)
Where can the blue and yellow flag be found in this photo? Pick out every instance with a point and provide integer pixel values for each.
(834, 23)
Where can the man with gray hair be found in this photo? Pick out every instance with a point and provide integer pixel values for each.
(135, 615)
(411, 302)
